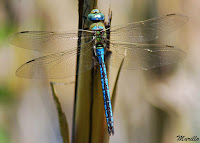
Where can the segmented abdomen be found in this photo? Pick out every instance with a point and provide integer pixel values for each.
(105, 90)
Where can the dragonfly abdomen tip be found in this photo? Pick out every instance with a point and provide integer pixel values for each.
(111, 130)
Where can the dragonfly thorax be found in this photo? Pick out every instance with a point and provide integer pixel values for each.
(98, 31)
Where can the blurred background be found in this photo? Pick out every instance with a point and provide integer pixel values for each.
(152, 106)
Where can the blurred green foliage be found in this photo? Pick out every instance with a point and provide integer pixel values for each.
(5, 31)
(6, 94)
(61, 116)
(4, 136)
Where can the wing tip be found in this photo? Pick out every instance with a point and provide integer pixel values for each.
(12, 37)
(178, 49)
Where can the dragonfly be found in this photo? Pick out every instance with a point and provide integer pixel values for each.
(126, 42)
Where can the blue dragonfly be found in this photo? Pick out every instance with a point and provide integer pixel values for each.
(125, 43)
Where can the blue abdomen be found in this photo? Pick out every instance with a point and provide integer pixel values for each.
(105, 89)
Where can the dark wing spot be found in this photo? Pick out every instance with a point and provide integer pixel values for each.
(171, 14)
(170, 46)
(30, 61)
(24, 32)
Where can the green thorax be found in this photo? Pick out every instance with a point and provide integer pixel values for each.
(95, 26)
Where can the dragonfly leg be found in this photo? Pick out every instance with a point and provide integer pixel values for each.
(108, 51)
(107, 25)
(94, 45)
(109, 17)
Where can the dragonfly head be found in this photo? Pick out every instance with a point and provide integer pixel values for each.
(95, 15)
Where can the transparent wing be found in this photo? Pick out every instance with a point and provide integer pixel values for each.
(48, 41)
(58, 65)
(144, 56)
(147, 30)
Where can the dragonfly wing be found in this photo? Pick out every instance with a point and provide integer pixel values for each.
(44, 41)
(58, 65)
(148, 30)
(144, 56)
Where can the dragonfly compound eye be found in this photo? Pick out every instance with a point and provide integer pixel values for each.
(95, 14)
